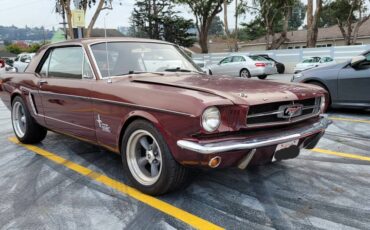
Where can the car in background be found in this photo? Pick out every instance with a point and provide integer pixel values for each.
(22, 60)
(244, 66)
(348, 83)
(202, 65)
(2, 67)
(312, 62)
(279, 66)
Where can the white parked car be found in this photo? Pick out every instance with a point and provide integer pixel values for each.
(244, 66)
(2, 67)
(312, 62)
(22, 60)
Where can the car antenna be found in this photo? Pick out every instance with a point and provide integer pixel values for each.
(106, 49)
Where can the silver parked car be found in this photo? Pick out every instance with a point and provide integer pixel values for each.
(244, 66)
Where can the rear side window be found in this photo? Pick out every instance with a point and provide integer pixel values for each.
(238, 59)
(64, 62)
(257, 58)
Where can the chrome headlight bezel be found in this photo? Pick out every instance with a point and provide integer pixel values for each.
(211, 119)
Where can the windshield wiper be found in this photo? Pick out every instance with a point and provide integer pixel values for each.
(137, 72)
(178, 69)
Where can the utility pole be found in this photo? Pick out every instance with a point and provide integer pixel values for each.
(64, 23)
(236, 26)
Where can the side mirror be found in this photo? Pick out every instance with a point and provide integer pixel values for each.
(357, 60)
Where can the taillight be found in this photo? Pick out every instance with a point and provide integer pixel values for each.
(2, 64)
(258, 64)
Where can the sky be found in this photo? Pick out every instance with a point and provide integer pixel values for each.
(42, 13)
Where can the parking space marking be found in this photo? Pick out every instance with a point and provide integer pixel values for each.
(158, 204)
(341, 154)
(350, 119)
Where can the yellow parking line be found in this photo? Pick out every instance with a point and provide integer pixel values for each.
(349, 119)
(160, 205)
(340, 154)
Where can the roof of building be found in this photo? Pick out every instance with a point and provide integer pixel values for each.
(325, 34)
(6, 54)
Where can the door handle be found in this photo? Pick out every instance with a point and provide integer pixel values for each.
(42, 82)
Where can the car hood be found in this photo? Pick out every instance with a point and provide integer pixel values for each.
(327, 67)
(239, 91)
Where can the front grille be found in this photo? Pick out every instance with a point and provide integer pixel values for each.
(276, 113)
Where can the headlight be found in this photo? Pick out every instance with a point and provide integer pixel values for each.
(211, 119)
(297, 75)
(322, 104)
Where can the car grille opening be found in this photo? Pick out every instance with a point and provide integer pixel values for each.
(283, 112)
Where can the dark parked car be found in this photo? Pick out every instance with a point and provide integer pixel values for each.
(348, 83)
(279, 66)
(147, 100)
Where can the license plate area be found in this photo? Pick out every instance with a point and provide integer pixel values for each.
(284, 146)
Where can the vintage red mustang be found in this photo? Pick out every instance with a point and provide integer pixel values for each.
(147, 100)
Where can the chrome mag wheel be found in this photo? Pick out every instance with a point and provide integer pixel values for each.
(144, 157)
(19, 119)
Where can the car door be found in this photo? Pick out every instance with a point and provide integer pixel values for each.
(224, 67)
(354, 83)
(238, 63)
(65, 88)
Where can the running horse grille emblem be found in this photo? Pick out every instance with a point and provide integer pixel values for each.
(290, 111)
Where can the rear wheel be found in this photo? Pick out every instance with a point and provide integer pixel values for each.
(262, 77)
(25, 127)
(244, 73)
(148, 161)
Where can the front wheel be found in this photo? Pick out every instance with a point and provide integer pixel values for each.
(25, 127)
(262, 77)
(148, 161)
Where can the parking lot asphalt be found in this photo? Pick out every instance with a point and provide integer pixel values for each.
(63, 183)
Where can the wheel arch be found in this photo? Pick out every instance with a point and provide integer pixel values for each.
(310, 81)
(133, 116)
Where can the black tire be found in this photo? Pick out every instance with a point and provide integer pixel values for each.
(247, 73)
(210, 72)
(280, 68)
(172, 176)
(33, 132)
(262, 77)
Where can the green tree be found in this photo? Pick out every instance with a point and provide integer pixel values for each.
(217, 27)
(157, 19)
(274, 16)
(349, 15)
(204, 11)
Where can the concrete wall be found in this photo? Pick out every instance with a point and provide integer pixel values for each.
(290, 57)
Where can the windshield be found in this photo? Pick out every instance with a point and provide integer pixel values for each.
(311, 60)
(130, 57)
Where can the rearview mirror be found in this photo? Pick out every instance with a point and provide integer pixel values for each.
(357, 59)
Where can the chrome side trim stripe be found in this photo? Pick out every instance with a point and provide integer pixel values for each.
(115, 102)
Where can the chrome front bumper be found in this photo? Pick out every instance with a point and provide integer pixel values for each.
(249, 144)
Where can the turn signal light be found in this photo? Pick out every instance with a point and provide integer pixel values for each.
(214, 162)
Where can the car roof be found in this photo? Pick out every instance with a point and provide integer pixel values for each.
(89, 41)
